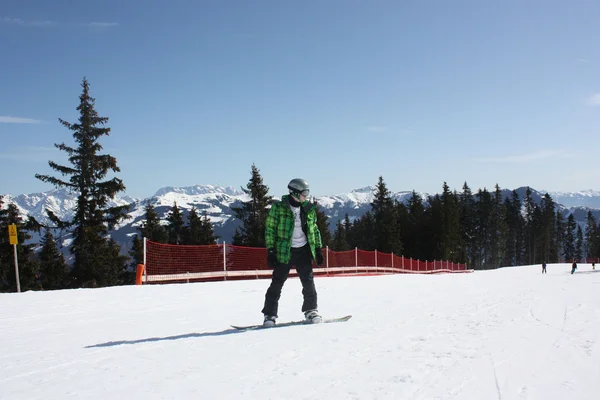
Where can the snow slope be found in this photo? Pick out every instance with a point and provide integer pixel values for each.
(505, 334)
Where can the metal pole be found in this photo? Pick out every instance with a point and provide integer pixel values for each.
(356, 258)
(224, 261)
(327, 259)
(145, 265)
(17, 270)
(376, 269)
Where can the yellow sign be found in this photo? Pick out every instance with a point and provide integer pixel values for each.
(12, 234)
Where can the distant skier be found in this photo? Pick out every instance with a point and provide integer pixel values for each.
(544, 268)
(573, 267)
(593, 265)
(293, 240)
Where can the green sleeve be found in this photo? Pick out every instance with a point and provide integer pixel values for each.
(271, 227)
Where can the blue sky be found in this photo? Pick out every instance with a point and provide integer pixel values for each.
(336, 92)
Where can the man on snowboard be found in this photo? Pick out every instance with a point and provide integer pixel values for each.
(293, 240)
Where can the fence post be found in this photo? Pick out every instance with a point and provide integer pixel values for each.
(411, 264)
(145, 265)
(403, 262)
(356, 258)
(426, 268)
(327, 260)
(392, 261)
(224, 261)
(376, 269)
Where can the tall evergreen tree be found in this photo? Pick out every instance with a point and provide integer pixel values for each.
(28, 268)
(530, 226)
(579, 243)
(549, 251)
(206, 234)
(253, 213)
(54, 273)
(151, 228)
(560, 230)
(451, 236)
(136, 252)
(514, 250)
(93, 215)
(339, 242)
(323, 224)
(498, 229)
(570, 232)
(175, 229)
(414, 228)
(387, 233)
(591, 236)
(193, 230)
(468, 228)
(485, 230)
(434, 223)
(363, 232)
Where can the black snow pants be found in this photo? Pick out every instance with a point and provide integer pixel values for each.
(301, 258)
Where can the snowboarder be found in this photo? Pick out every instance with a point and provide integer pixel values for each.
(292, 240)
(573, 267)
(544, 268)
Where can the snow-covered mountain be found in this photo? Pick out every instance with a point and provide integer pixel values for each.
(585, 198)
(218, 201)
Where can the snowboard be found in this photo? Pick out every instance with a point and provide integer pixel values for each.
(291, 323)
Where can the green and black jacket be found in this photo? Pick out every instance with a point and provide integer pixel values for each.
(280, 227)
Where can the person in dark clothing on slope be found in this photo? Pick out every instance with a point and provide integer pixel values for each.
(573, 267)
(544, 268)
(292, 240)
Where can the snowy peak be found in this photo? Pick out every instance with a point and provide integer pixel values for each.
(585, 198)
(198, 189)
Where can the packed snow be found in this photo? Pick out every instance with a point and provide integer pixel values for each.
(506, 334)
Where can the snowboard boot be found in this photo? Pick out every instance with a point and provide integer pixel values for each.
(269, 320)
(312, 317)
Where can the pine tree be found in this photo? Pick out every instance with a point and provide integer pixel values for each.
(549, 251)
(560, 230)
(339, 242)
(323, 224)
(591, 236)
(530, 226)
(579, 243)
(570, 232)
(387, 235)
(451, 236)
(193, 229)
(93, 216)
(349, 235)
(151, 228)
(484, 209)
(136, 252)
(206, 234)
(434, 222)
(175, 229)
(498, 228)
(414, 229)
(53, 269)
(253, 213)
(363, 232)
(467, 221)
(514, 245)
(28, 268)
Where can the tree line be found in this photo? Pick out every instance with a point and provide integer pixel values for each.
(483, 230)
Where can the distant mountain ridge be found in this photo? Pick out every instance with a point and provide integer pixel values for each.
(218, 201)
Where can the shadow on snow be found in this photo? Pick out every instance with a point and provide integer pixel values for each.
(160, 339)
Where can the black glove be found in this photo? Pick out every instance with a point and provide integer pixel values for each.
(272, 258)
(319, 253)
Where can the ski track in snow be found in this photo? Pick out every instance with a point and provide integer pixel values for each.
(505, 334)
